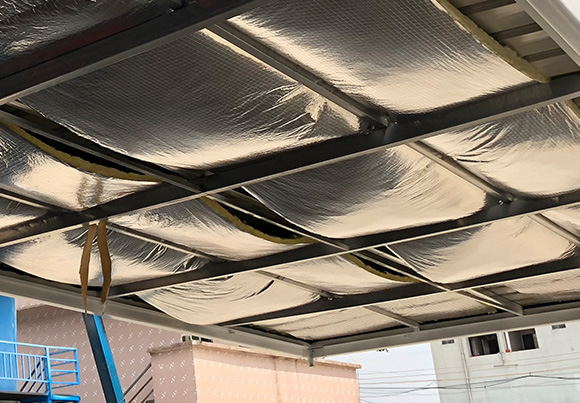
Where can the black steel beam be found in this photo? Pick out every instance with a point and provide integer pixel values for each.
(297, 72)
(496, 213)
(285, 163)
(133, 41)
(413, 290)
(188, 250)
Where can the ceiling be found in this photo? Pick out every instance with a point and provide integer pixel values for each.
(313, 178)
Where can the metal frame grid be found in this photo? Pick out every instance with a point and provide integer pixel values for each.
(384, 132)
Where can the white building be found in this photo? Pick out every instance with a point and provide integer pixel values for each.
(539, 364)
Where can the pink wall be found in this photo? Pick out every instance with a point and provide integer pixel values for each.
(224, 373)
(130, 344)
(187, 373)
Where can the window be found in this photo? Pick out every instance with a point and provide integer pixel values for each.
(447, 341)
(189, 337)
(522, 340)
(483, 345)
(561, 326)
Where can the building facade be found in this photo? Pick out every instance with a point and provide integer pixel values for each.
(185, 370)
(539, 364)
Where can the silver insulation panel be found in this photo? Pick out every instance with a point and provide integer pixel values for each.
(33, 31)
(484, 250)
(530, 154)
(196, 225)
(437, 307)
(57, 257)
(29, 170)
(329, 325)
(383, 191)
(197, 102)
(220, 300)
(569, 218)
(550, 288)
(404, 56)
(12, 212)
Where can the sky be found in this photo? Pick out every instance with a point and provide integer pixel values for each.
(391, 376)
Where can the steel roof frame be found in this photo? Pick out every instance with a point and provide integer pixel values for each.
(189, 19)
(501, 304)
(404, 292)
(69, 297)
(286, 163)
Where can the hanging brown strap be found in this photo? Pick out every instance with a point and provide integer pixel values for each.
(85, 261)
(105, 260)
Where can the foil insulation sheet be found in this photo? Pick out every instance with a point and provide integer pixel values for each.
(57, 257)
(196, 225)
(221, 300)
(33, 31)
(197, 102)
(568, 218)
(436, 307)
(531, 154)
(383, 191)
(29, 170)
(404, 56)
(234, 297)
(338, 275)
(329, 325)
(12, 212)
(550, 288)
(483, 250)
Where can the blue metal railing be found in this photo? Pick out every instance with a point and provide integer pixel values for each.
(39, 369)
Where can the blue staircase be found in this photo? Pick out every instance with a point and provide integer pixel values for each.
(34, 372)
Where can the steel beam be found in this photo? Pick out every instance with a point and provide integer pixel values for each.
(104, 361)
(496, 213)
(285, 163)
(68, 297)
(130, 42)
(532, 317)
(495, 300)
(416, 290)
(185, 249)
(291, 69)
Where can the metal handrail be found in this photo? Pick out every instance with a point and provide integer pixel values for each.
(135, 382)
(39, 370)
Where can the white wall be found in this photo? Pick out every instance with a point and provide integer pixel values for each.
(505, 377)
